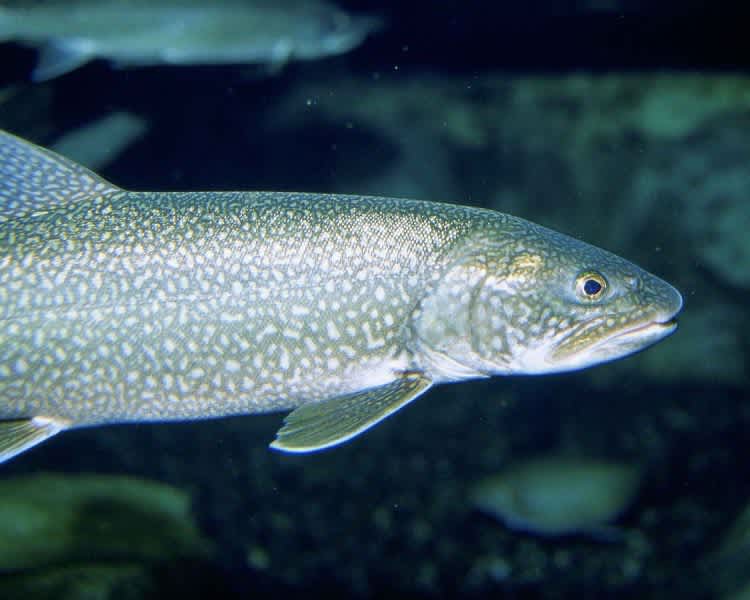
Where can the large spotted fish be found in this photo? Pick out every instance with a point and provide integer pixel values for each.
(123, 306)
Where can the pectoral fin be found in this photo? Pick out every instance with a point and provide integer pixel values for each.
(334, 421)
(21, 434)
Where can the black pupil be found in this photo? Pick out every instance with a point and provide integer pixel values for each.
(592, 287)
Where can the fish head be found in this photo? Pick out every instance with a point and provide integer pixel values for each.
(331, 31)
(533, 301)
(495, 496)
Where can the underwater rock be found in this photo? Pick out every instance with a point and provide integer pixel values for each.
(711, 330)
(741, 594)
(187, 579)
(557, 495)
(736, 540)
(77, 582)
(48, 519)
(728, 565)
(707, 183)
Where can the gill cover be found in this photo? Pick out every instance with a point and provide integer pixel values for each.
(444, 322)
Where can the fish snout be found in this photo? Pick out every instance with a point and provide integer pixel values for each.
(669, 305)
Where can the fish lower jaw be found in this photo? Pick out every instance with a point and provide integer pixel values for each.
(642, 336)
(618, 345)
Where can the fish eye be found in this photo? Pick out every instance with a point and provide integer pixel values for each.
(591, 285)
(336, 23)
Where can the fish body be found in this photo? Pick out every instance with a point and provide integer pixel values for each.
(180, 32)
(558, 495)
(203, 304)
(120, 306)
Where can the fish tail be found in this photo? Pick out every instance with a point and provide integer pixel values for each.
(8, 20)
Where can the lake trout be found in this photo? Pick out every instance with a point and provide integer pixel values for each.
(120, 306)
(142, 33)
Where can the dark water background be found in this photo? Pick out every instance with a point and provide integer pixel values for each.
(622, 123)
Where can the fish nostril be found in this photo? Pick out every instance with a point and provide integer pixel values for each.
(633, 282)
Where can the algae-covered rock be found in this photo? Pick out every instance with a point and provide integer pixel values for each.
(51, 519)
(741, 594)
(733, 550)
(78, 582)
(709, 330)
(708, 182)
(727, 565)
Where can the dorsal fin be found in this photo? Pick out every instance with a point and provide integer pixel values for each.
(33, 179)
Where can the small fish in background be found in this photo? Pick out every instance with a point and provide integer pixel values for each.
(120, 306)
(556, 496)
(181, 32)
(99, 142)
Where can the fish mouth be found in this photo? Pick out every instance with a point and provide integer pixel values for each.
(627, 341)
(633, 339)
(656, 329)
